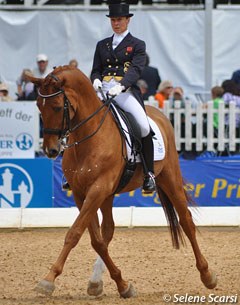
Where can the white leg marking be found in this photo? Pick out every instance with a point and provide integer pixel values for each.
(98, 270)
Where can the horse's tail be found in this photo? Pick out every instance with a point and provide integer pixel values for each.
(172, 219)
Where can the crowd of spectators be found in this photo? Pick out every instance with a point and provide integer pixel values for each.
(228, 92)
(151, 87)
(25, 89)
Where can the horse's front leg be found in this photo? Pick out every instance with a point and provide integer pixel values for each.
(46, 286)
(89, 208)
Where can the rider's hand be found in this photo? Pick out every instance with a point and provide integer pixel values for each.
(97, 84)
(116, 90)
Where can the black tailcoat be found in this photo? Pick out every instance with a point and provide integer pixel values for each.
(127, 60)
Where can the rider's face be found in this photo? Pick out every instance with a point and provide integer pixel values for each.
(119, 24)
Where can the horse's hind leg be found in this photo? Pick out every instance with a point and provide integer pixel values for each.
(95, 285)
(171, 191)
(101, 247)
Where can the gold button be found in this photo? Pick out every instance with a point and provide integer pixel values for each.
(114, 73)
(108, 60)
(126, 53)
(109, 66)
(116, 60)
(117, 67)
(109, 73)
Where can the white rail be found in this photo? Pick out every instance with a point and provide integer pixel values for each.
(193, 127)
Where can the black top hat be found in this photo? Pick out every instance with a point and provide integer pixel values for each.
(119, 10)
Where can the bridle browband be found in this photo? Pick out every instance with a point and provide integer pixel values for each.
(50, 95)
(64, 132)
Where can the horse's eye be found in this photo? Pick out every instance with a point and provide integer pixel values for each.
(57, 109)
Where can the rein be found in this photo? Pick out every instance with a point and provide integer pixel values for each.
(106, 103)
(64, 132)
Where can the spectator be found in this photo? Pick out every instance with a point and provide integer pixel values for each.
(42, 69)
(232, 94)
(151, 77)
(217, 93)
(177, 95)
(4, 93)
(73, 63)
(143, 86)
(165, 91)
(24, 87)
(230, 86)
(236, 77)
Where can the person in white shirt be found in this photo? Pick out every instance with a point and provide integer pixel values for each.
(42, 69)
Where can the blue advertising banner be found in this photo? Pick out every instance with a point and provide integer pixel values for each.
(26, 183)
(35, 183)
(211, 182)
(62, 199)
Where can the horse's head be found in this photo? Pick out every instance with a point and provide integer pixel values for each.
(57, 104)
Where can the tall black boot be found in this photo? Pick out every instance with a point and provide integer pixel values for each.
(149, 184)
(65, 184)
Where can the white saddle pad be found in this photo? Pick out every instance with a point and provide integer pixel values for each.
(159, 147)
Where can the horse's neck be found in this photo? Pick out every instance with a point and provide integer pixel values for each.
(88, 104)
(90, 113)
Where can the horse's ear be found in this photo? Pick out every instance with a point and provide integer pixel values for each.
(32, 79)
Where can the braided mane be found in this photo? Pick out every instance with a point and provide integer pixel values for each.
(50, 80)
(62, 68)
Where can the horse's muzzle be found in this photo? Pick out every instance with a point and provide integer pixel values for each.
(52, 153)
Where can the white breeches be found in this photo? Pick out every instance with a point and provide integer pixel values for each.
(129, 103)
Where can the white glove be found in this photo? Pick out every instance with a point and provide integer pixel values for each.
(97, 84)
(116, 90)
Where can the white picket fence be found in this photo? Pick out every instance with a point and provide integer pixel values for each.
(199, 120)
(198, 131)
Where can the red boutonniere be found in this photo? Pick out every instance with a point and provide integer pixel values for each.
(129, 49)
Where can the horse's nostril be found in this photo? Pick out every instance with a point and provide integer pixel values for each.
(53, 152)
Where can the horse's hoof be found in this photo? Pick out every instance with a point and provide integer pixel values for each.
(129, 292)
(95, 289)
(210, 281)
(45, 287)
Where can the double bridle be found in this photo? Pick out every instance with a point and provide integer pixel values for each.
(63, 133)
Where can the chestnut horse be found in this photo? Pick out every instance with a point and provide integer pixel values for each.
(93, 163)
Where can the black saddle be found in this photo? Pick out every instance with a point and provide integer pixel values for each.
(133, 129)
(135, 142)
